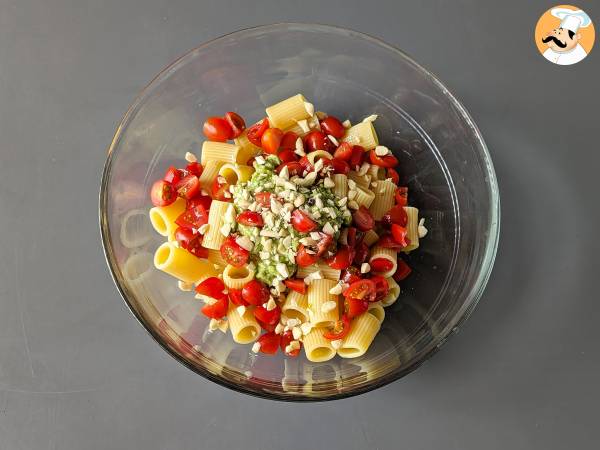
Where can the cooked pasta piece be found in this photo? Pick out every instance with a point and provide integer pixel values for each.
(363, 330)
(313, 157)
(215, 257)
(316, 347)
(210, 171)
(287, 112)
(362, 134)
(323, 307)
(295, 306)
(412, 228)
(392, 294)
(182, 264)
(237, 277)
(135, 231)
(370, 237)
(384, 199)
(326, 271)
(163, 217)
(376, 310)
(341, 185)
(312, 123)
(387, 253)
(376, 172)
(364, 197)
(244, 328)
(247, 148)
(364, 181)
(219, 151)
(236, 173)
(213, 238)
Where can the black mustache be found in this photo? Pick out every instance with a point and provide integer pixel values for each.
(556, 41)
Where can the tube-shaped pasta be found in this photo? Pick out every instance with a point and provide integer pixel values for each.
(412, 228)
(312, 122)
(364, 197)
(362, 134)
(236, 173)
(287, 112)
(244, 328)
(209, 172)
(215, 257)
(247, 148)
(182, 264)
(326, 271)
(237, 277)
(386, 253)
(219, 151)
(363, 330)
(384, 199)
(364, 181)
(213, 238)
(376, 310)
(135, 231)
(313, 157)
(316, 347)
(323, 307)
(376, 172)
(163, 217)
(393, 293)
(341, 185)
(295, 306)
(370, 238)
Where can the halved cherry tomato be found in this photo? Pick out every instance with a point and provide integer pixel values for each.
(188, 187)
(381, 265)
(173, 175)
(255, 292)
(255, 132)
(327, 163)
(265, 326)
(386, 161)
(301, 222)
(194, 168)
(355, 307)
(220, 189)
(233, 253)
(203, 200)
(360, 253)
(340, 166)
(287, 156)
(363, 289)
(250, 219)
(343, 152)
(191, 241)
(351, 237)
(267, 317)
(294, 168)
(288, 142)
(270, 140)
(217, 129)
(342, 259)
(192, 217)
(235, 297)
(263, 199)
(286, 338)
(317, 140)
(306, 165)
(388, 241)
(399, 234)
(269, 343)
(305, 259)
(401, 196)
(324, 243)
(350, 275)
(340, 329)
(296, 284)
(236, 122)
(357, 156)
(397, 215)
(212, 287)
(381, 286)
(402, 271)
(162, 193)
(332, 125)
(363, 219)
(391, 173)
(218, 309)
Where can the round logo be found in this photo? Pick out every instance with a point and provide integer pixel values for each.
(564, 35)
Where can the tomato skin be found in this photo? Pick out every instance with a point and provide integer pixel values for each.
(350, 275)
(286, 338)
(396, 215)
(296, 284)
(364, 289)
(233, 253)
(173, 175)
(355, 307)
(235, 297)
(401, 196)
(195, 168)
(250, 219)
(294, 168)
(305, 259)
(306, 165)
(212, 287)
(287, 156)
(391, 173)
(343, 152)
(387, 161)
(402, 271)
(317, 140)
(332, 125)
(236, 122)
(340, 166)
(381, 286)
(387, 241)
(288, 142)
(363, 219)
(218, 309)
(267, 317)
(255, 293)
(399, 234)
(193, 217)
(342, 259)
(381, 265)
(255, 132)
(202, 200)
(357, 156)
(343, 325)
(220, 190)
(360, 253)
(269, 343)
(302, 223)
(217, 129)
(323, 243)
(270, 140)
(188, 187)
(162, 193)
(190, 241)
(263, 199)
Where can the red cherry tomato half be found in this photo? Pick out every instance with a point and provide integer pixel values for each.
(269, 343)
(294, 168)
(263, 199)
(255, 293)
(323, 243)
(355, 307)
(267, 317)
(363, 289)
(340, 329)
(286, 338)
(306, 165)
(270, 140)
(194, 168)
(350, 275)
(192, 217)
(381, 286)
(357, 156)
(287, 156)
(188, 187)
(255, 132)
(217, 309)
(235, 297)
(288, 142)
(340, 166)
(250, 219)
(387, 241)
(236, 122)
(391, 173)
(211, 287)
(396, 215)
(363, 219)
(296, 284)
(203, 200)
(233, 253)
(162, 193)
(301, 222)
(361, 252)
(386, 161)
(217, 129)
(220, 190)
(173, 175)
(332, 125)
(343, 152)
(342, 259)
(317, 140)
(401, 196)
(305, 259)
(399, 234)
(191, 241)
(402, 271)
(381, 265)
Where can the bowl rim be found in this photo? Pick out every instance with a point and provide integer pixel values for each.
(471, 300)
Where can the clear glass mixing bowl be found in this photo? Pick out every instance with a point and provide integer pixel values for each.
(443, 160)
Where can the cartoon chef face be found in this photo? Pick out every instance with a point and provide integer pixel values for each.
(561, 40)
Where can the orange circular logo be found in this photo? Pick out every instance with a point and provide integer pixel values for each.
(564, 35)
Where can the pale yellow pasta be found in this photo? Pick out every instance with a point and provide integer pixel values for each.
(316, 347)
(393, 293)
(182, 264)
(362, 134)
(376, 172)
(209, 172)
(364, 181)
(163, 217)
(326, 271)
(370, 237)
(363, 330)
(237, 277)
(295, 306)
(135, 231)
(213, 238)
(412, 228)
(384, 199)
(219, 151)
(386, 253)
(247, 148)
(319, 299)
(312, 122)
(244, 328)
(313, 157)
(236, 173)
(376, 310)
(287, 112)
(341, 185)
(215, 257)
(364, 197)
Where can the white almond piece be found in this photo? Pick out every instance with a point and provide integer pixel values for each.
(371, 118)
(229, 216)
(310, 178)
(328, 229)
(190, 157)
(271, 305)
(318, 202)
(336, 290)
(353, 205)
(285, 173)
(294, 345)
(279, 329)
(346, 123)
(365, 268)
(256, 347)
(315, 236)
(183, 286)
(313, 276)
(299, 200)
(336, 344)
(269, 233)
(304, 125)
(307, 241)
(421, 230)
(334, 140)
(318, 165)
(343, 201)
(381, 150)
(351, 194)
(244, 242)
(282, 269)
(374, 184)
(351, 185)
(328, 183)
(275, 206)
(306, 327)
(227, 194)
(291, 323)
(241, 310)
(297, 333)
(310, 108)
(203, 192)
(225, 229)
(328, 306)
(364, 168)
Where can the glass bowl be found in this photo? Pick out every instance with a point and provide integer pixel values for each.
(443, 160)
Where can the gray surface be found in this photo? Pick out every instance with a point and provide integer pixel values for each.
(77, 371)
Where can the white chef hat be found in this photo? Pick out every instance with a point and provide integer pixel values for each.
(571, 20)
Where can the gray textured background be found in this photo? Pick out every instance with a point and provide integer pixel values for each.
(78, 372)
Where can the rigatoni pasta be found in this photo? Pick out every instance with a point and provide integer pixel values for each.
(388, 254)
(288, 112)
(163, 217)
(236, 173)
(237, 277)
(244, 327)
(364, 197)
(412, 228)
(384, 198)
(214, 237)
(181, 264)
(210, 172)
(316, 347)
(322, 306)
(362, 134)
(393, 293)
(363, 330)
(295, 306)
(219, 151)
(341, 185)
